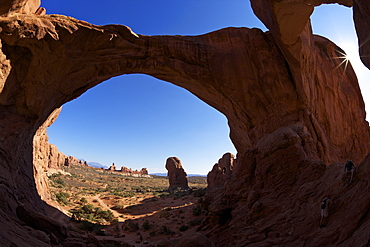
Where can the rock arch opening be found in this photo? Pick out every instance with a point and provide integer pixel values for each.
(153, 107)
(138, 121)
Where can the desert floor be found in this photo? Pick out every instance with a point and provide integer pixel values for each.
(137, 211)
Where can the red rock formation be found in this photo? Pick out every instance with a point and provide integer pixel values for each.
(112, 167)
(129, 172)
(361, 13)
(144, 171)
(221, 171)
(294, 112)
(25, 7)
(176, 174)
(45, 157)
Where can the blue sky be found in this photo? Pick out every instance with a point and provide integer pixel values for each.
(138, 121)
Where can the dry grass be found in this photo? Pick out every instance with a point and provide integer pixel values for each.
(138, 206)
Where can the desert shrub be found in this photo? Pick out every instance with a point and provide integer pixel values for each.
(119, 207)
(200, 200)
(197, 210)
(116, 192)
(224, 216)
(180, 194)
(128, 194)
(91, 227)
(164, 194)
(165, 230)
(106, 214)
(164, 214)
(91, 214)
(83, 200)
(57, 181)
(183, 228)
(195, 222)
(62, 197)
(146, 225)
(88, 208)
(131, 226)
(199, 192)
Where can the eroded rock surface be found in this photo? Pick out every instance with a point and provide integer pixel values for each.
(221, 171)
(112, 167)
(177, 176)
(294, 114)
(46, 157)
(361, 13)
(135, 173)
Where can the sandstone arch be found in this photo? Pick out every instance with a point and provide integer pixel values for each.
(289, 111)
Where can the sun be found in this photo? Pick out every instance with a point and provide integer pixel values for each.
(350, 54)
(344, 58)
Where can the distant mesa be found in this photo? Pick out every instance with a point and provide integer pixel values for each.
(176, 174)
(129, 172)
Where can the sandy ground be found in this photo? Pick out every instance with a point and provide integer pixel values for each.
(165, 215)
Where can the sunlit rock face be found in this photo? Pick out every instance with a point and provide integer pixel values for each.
(294, 114)
(46, 157)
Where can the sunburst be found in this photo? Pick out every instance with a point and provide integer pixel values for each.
(344, 60)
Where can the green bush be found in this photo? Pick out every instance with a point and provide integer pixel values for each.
(83, 200)
(165, 230)
(131, 226)
(119, 207)
(183, 228)
(88, 209)
(195, 222)
(91, 214)
(199, 192)
(62, 197)
(146, 225)
(197, 210)
(128, 194)
(107, 215)
(57, 180)
(91, 227)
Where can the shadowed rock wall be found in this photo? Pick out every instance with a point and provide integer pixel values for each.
(294, 114)
(177, 176)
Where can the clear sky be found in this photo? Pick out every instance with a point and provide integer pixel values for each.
(138, 121)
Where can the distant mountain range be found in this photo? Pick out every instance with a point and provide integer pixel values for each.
(97, 165)
(189, 175)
